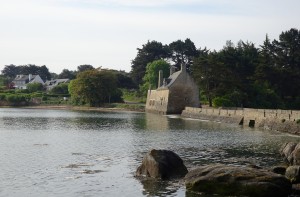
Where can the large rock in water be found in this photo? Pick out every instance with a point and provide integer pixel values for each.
(162, 164)
(237, 181)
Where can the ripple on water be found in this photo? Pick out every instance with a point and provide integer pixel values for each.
(69, 153)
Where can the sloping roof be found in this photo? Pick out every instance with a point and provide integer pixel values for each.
(56, 81)
(170, 80)
(24, 77)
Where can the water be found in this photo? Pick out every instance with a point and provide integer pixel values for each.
(76, 153)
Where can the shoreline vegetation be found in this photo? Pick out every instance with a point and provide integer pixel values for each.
(119, 107)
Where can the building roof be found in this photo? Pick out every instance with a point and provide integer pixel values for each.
(56, 82)
(24, 77)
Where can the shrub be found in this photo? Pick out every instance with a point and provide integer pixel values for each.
(22, 91)
(2, 97)
(222, 102)
(15, 99)
(34, 87)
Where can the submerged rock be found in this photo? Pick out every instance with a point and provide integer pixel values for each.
(237, 181)
(162, 164)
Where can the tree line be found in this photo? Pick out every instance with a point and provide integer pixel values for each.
(238, 75)
(88, 86)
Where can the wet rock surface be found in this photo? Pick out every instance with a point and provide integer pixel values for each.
(291, 153)
(237, 181)
(163, 164)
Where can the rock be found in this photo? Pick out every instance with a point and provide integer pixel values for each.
(279, 170)
(162, 164)
(287, 150)
(237, 181)
(293, 174)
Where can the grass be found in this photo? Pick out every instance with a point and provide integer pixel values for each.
(133, 97)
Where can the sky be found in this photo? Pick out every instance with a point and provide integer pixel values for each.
(63, 34)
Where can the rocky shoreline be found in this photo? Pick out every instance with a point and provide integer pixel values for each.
(227, 180)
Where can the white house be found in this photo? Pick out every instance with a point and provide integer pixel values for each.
(21, 81)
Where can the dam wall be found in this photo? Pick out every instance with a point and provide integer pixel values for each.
(271, 119)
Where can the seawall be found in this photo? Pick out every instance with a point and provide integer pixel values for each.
(280, 120)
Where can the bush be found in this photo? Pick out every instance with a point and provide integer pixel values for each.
(34, 87)
(222, 102)
(44, 98)
(60, 89)
(15, 99)
(22, 91)
(2, 97)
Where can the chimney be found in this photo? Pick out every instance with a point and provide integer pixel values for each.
(29, 77)
(160, 78)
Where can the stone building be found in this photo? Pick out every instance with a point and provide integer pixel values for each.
(173, 94)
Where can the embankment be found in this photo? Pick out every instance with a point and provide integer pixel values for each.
(280, 120)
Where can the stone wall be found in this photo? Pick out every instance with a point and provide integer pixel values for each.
(281, 120)
(157, 101)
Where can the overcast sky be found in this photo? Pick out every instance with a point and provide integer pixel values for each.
(68, 33)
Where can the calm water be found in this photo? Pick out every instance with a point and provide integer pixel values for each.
(74, 153)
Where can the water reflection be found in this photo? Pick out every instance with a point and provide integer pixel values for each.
(157, 122)
(154, 187)
(73, 153)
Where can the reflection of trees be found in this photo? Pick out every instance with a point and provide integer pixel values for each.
(155, 187)
(32, 123)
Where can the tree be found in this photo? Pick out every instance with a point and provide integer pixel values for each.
(34, 87)
(210, 74)
(60, 89)
(286, 53)
(152, 72)
(10, 71)
(149, 52)
(42, 71)
(67, 74)
(183, 53)
(54, 75)
(93, 87)
(84, 67)
(124, 81)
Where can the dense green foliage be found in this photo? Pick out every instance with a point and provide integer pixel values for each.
(148, 53)
(60, 89)
(183, 53)
(243, 75)
(34, 87)
(94, 88)
(10, 71)
(240, 75)
(151, 76)
(67, 74)
(84, 67)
